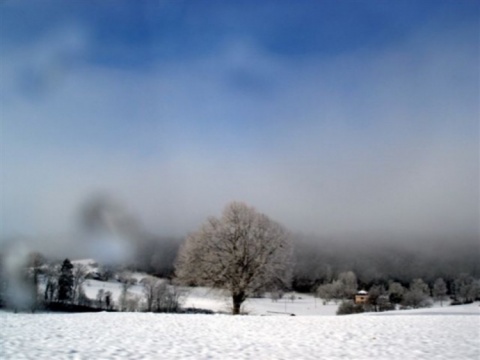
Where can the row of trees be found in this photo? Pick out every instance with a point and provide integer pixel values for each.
(39, 284)
(381, 297)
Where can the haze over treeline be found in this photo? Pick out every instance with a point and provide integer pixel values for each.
(114, 237)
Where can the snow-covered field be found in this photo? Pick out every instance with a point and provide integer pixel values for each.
(218, 301)
(441, 333)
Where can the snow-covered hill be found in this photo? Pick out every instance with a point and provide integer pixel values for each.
(210, 299)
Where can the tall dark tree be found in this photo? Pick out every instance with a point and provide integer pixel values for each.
(65, 281)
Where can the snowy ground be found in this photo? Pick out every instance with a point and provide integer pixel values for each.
(219, 301)
(449, 332)
(446, 333)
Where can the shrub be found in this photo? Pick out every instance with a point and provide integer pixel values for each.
(349, 307)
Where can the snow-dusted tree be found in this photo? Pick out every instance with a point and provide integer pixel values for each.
(376, 297)
(332, 291)
(418, 295)
(344, 287)
(65, 281)
(243, 252)
(439, 291)
(324, 292)
(466, 289)
(395, 292)
(349, 284)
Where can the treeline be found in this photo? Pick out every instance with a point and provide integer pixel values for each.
(379, 262)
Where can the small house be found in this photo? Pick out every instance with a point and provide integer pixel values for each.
(361, 297)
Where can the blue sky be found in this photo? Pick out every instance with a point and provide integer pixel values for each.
(334, 117)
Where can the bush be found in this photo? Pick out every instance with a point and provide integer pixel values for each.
(349, 307)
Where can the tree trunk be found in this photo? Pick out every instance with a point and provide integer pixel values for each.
(238, 299)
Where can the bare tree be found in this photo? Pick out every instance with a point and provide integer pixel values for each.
(149, 291)
(349, 284)
(127, 282)
(51, 274)
(243, 252)
(160, 296)
(35, 262)
(167, 297)
(100, 298)
(80, 272)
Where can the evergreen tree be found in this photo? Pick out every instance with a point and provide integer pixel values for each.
(65, 281)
